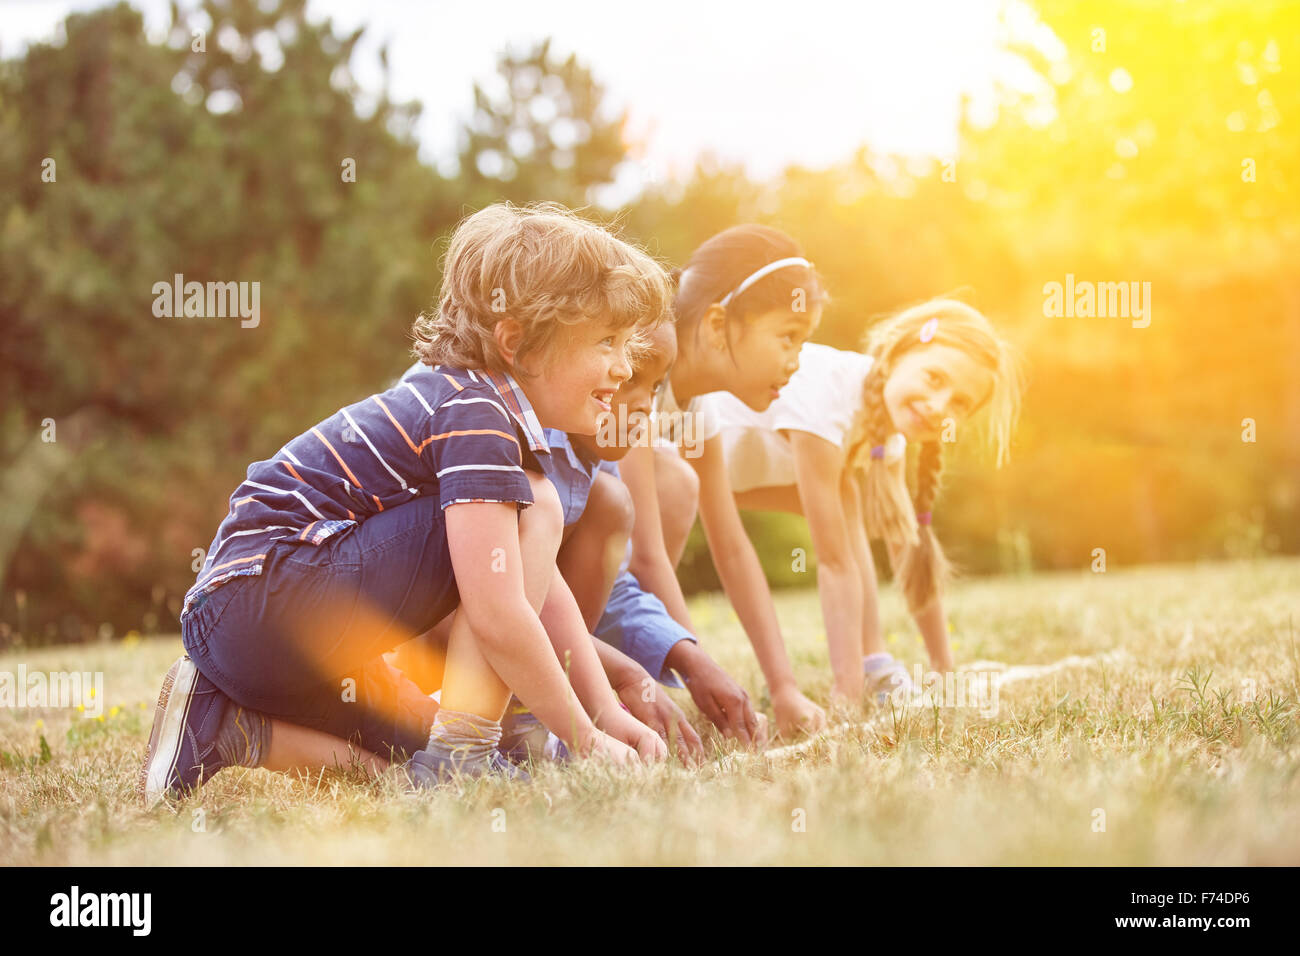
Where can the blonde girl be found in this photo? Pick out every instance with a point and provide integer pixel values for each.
(833, 447)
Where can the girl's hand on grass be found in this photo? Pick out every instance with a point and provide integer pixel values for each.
(661, 714)
(845, 706)
(796, 714)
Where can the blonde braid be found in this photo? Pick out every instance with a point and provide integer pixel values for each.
(924, 569)
(886, 502)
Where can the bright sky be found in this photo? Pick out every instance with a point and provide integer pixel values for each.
(763, 83)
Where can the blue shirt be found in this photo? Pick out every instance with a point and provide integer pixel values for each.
(459, 434)
(572, 473)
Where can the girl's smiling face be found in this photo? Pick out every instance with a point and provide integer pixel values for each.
(766, 353)
(578, 376)
(931, 383)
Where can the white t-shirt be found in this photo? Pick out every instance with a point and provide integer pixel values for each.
(683, 428)
(821, 398)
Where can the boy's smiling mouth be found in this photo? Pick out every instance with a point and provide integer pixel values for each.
(604, 397)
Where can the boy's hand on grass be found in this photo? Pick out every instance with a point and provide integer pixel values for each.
(796, 714)
(661, 714)
(603, 746)
(625, 728)
(719, 697)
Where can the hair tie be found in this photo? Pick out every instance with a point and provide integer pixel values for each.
(928, 330)
(894, 448)
(758, 274)
(923, 517)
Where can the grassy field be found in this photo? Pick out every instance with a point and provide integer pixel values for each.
(1177, 743)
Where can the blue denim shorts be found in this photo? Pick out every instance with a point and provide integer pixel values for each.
(637, 623)
(303, 640)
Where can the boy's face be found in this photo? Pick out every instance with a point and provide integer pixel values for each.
(766, 354)
(931, 383)
(578, 376)
(636, 395)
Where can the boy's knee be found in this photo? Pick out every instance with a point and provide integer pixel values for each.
(610, 505)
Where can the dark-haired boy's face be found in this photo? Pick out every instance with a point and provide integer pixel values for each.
(766, 353)
(629, 416)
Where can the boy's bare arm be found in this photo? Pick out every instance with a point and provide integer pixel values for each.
(573, 645)
(501, 615)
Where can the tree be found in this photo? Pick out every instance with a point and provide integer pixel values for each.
(547, 136)
(224, 160)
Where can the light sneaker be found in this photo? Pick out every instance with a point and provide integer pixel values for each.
(892, 683)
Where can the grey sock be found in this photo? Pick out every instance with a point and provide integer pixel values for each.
(466, 740)
(244, 737)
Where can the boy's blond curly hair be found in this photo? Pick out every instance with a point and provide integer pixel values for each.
(546, 268)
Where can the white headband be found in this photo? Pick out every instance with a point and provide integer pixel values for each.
(766, 270)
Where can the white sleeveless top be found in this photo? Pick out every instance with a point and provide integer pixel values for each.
(821, 398)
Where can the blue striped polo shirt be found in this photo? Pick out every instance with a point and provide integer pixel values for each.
(570, 471)
(463, 435)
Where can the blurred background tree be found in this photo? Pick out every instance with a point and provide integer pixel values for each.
(546, 134)
(1126, 161)
(219, 156)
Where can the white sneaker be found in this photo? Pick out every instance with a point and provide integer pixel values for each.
(892, 682)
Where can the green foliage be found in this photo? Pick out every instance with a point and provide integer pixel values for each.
(215, 166)
(778, 539)
(16, 761)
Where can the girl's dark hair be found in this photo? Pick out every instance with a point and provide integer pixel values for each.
(725, 261)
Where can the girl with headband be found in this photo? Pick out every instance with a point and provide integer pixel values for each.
(746, 302)
(833, 447)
